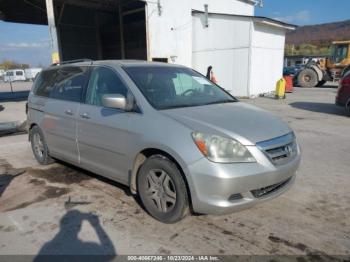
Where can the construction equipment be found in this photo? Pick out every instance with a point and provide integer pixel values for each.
(316, 73)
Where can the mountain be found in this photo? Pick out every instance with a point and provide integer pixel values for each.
(320, 35)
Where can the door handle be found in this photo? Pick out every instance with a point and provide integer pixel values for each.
(85, 116)
(68, 112)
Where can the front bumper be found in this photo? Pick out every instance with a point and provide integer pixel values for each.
(226, 188)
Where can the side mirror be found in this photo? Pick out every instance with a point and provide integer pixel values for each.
(114, 101)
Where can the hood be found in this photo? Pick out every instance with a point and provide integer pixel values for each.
(243, 122)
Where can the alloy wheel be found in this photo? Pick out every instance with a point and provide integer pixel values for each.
(161, 190)
(38, 145)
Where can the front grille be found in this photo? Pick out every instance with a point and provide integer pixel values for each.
(280, 150)
(261, 192)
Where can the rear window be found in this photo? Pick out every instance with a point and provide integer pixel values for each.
(65, 83)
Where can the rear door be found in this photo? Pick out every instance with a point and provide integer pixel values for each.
(61, 111)
(103, 132)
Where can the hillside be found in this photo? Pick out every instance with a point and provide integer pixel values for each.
(320, 35)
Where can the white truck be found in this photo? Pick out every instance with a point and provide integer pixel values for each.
(14, 75)
(21, 75)
(31, 73)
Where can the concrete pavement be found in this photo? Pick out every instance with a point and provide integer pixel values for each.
(66, 209)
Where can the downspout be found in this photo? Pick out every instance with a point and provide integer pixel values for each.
(250, 57)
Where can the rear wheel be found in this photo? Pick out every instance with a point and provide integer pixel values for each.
(307, 78)
(39, 146)
(162, 190)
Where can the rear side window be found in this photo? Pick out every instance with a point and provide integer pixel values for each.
(69, 83)
(65, 83)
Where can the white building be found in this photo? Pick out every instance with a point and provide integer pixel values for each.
(246, 52)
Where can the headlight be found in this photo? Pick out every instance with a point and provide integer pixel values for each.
(222, 150)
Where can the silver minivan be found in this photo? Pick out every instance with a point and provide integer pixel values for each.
(176, 139)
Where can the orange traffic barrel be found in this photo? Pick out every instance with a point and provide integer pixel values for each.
(289, 84)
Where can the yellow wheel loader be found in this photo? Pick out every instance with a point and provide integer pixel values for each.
(328, 69)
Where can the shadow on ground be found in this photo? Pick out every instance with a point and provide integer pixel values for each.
(333, 86)
(6, 177)
(325, 108)
(14, 96)
(67, 243)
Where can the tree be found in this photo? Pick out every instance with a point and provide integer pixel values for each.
(9, 64)
(307, 50)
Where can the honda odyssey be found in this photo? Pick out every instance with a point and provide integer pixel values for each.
(176, 139)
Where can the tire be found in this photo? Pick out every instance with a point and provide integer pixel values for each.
(307, 78)
(162, 190)
(39, 146)
(347, 109)
(321, 83)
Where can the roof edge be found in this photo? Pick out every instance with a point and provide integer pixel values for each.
(258, 19)
(253, 2)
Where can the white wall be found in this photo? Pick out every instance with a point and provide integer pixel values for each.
(267, 54)
(170, 34)
(235, 7)
(247, 56)
(225, 46)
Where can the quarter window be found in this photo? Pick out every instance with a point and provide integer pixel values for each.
(103, 81)
(69, 83)
(44, 83)
(65, 83)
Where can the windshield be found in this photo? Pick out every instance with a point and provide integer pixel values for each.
(339, 53)
(174, 87)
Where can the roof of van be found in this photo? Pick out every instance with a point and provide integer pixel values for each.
(126, 63)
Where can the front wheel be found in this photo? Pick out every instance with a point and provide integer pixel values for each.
(307, 78)
(162, 190)
(39, 146)
(347, 109)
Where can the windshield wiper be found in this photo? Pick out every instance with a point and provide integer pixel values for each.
(179, 106)
(221, 102)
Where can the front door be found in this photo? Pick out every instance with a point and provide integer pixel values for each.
(103, 132)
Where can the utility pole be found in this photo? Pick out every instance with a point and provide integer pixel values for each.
(53, 31)
(11, 85)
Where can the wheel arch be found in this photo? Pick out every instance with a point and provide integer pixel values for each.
(30, 128)
(347, 105)
(143, 155)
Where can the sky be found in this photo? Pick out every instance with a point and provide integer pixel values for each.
(23, 43)
(30, 43)
(305, 12)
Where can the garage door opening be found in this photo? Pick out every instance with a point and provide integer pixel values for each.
(95, 29)
(100, 32)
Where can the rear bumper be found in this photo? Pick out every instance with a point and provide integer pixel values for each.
(226, 188)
